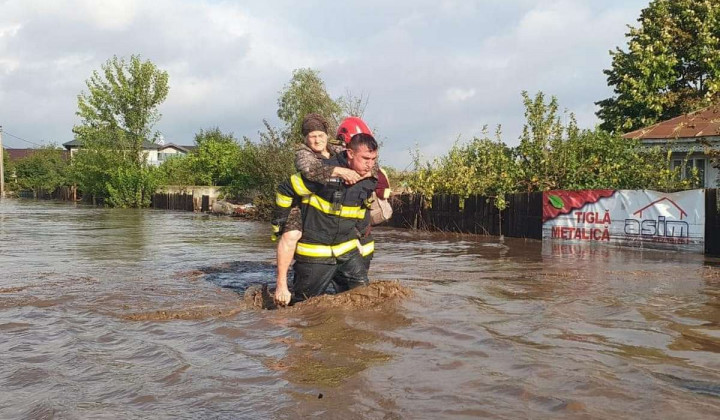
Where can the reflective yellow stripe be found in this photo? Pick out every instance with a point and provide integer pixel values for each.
(350, 212)
(310, 250)
(345, 247)
(366, 249)
(298, 185)
(319, 251)
(275, 228)
(283, 200)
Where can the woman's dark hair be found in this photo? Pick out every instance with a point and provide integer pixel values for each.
(362, 139)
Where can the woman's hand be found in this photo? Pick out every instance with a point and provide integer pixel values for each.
(348, 175)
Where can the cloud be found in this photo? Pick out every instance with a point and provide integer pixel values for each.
(433, 70)
(459, 95)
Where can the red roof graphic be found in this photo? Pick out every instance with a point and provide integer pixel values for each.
(570, 200)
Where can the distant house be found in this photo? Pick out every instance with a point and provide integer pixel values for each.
(687, 133)
(171, 150)
(16, 154)
(157, 153)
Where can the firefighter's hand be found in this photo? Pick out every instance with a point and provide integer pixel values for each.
(282, 296)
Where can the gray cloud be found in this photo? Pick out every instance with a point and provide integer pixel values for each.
(434, 70)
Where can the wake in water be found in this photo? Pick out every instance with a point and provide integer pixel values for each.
(246, 279)
(374, 294)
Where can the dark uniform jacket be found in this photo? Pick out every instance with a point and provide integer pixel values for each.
(335, 215)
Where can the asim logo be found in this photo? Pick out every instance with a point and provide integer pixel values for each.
(674, 231)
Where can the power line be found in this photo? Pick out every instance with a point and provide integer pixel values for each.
(22, 139)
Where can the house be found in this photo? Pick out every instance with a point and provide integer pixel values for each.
(690, 133)
(170, 150)
(16, 154)
(157, 153)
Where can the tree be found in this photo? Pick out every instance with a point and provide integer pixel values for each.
(261, 167)
(177, 171)
(304, 94)
(542, 135)
(118, 113)
(215, 161)
(105, 171)
(352, 105)
(43, 171)
(8, 169)
(671, 66)
(124, 97)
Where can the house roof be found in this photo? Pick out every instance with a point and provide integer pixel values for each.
(185, 149)
(78, 143)
(701, 123)
(17, 154)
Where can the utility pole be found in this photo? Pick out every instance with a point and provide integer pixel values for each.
(2, 168)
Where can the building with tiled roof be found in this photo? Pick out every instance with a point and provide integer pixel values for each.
(690, 133)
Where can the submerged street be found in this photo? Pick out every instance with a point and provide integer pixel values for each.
(141, 313)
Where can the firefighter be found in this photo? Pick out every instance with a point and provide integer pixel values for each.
(335, 217)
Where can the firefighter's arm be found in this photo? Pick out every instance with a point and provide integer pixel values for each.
(285, 199)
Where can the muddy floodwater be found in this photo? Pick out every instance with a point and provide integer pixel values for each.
(113, 314)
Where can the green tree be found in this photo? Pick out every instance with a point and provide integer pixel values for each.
(105, 171)
(262, 166)
(177, 170)
(42, 171)
(118, 113)
(484, 166)
(8, 170)
(123, 97)
(671, 66)
(304, 94)
(540, 143)
(215, 160)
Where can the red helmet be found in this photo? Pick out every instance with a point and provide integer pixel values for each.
(351, 126)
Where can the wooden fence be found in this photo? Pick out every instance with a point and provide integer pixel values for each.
(60, 193)
(173, 201)
(521, 219)
(475, 214)
(712, 223)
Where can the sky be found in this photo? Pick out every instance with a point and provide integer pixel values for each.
(434, 72)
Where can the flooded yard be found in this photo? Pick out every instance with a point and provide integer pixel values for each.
(108, 313)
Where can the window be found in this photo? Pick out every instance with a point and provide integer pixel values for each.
(164, 156)
(687, 171)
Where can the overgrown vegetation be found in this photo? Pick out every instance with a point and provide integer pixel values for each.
(121, 106)
(551, 155)
(41, 172)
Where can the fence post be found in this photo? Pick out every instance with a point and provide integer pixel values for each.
(205, 203)
(712, 237)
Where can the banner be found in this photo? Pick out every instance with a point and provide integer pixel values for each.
(640, 218)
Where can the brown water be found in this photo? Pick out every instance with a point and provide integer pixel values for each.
(141, 314)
